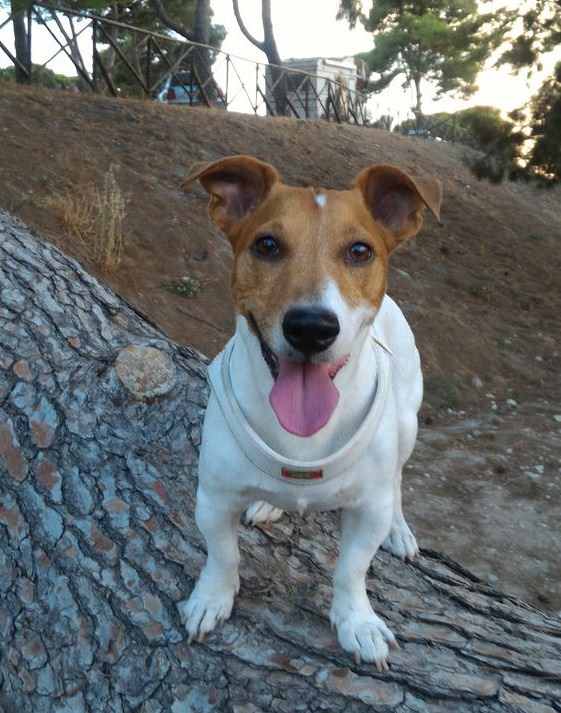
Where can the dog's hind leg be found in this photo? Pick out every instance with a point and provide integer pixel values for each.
(260, 511)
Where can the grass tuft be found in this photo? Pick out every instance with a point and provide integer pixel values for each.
(95, 219)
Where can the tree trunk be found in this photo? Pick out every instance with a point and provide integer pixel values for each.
(100, 422)
(418, 110)
(113, 32)
(277, 77)
(202, 63)
(200, 59)
(22, 43)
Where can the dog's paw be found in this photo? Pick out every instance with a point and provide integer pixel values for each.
(261, 511)
(401, 542)
(366, 636)
(205, 609)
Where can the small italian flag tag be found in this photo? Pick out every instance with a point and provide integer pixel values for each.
(302, 474)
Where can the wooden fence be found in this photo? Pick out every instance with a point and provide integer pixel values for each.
(100, 49)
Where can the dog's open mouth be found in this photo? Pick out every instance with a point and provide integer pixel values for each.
(303, 396)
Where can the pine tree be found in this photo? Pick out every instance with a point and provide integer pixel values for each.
(442, 41)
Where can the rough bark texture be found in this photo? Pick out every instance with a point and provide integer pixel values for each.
(100, 421)
(21, 43)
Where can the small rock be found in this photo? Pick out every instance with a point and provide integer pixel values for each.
(476, 382)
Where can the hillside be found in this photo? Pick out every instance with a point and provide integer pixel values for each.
(481, 292)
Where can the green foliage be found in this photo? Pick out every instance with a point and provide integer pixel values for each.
(485, 124)
(444, 41)
(141, 14)
(535, 147)
(544, 160)
(350, 10)
(41, 76)
(536, 29)
(496, 139)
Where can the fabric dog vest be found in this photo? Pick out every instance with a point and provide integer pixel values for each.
(276, 465)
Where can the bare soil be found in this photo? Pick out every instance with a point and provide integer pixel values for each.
(481, 292)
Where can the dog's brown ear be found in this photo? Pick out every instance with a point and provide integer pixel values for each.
(397, 201)
(237, 185)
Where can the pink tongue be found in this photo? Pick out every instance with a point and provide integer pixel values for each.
(304, 396)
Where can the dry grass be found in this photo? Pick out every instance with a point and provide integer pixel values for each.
(93, 220)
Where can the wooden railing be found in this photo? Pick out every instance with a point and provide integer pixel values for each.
(101, 49)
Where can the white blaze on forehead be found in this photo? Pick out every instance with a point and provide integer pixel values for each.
(320, 199)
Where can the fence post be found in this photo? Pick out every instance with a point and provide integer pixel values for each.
(227, 79)
(149, 67)
(257, 86)
(95, 68)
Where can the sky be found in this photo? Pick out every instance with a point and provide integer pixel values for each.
(308, 28)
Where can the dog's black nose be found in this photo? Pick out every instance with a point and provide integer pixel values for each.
(310, 329)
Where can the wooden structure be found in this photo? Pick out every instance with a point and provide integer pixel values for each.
(146, 58)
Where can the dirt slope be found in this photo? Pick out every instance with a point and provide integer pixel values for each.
(481, 292)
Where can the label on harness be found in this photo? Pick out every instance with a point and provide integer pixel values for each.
(302, 474)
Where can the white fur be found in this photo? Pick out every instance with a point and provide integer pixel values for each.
(320, 199)
(369, 494)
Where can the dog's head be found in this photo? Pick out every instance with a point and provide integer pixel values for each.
(310, 265)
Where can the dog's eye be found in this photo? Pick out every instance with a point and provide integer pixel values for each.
(266, 247)
(359, 253)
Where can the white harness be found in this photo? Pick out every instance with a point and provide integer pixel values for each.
(278, 466)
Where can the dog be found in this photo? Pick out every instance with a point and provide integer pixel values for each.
(314, 400)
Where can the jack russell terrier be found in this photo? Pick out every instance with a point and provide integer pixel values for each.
(314, 400)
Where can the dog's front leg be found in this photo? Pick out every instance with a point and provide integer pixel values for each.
(211, 601)
(359, 630)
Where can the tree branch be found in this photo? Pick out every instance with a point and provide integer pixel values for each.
(100, 425)
(243, 28)
(161, 12)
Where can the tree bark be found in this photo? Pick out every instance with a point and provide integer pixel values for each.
(203, 58)
(100, 422)
(418, 109)
(181, 29)
(22, 43)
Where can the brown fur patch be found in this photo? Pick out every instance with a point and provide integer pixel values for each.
(315, 229)
(314, 242)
